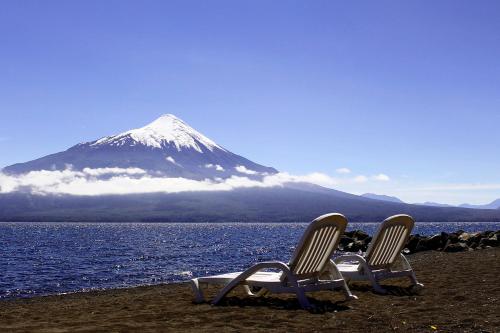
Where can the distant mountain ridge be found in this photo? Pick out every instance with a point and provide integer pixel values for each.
(382, 197)
(492, 205)
(167, 147)
(495, 204)
(434, 204)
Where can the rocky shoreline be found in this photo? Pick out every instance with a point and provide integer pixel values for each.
(458, 241)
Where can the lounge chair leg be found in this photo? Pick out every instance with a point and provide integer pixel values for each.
(334, 274)
(301, 296)
(248, 291)
(378, 288)
(227, 288)
(374, 282)
(416, 286)
(347, 292)
(198, 294)
(259, 293)
(411, 276)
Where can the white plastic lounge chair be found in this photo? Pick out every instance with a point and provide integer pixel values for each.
(310, 268)
(383, 258)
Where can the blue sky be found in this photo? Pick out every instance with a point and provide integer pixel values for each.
(406, 89)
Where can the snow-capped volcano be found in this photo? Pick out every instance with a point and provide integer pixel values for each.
(167, 146)
(166, 130)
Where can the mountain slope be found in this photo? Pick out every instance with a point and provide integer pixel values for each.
(381, 197)
(246, 205)
(165, 147)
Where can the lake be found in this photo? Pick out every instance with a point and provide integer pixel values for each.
(52, 258)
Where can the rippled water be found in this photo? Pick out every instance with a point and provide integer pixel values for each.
(49, 258)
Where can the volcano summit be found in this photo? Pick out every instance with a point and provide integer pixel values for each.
(166, 147)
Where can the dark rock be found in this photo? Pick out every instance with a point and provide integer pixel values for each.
(412, 243)
(349, 234)
(357, 240)
(444, 237)
(360, 235)
(453, 238)
(429, 243)
(464, 237)
(456, 247)
(487, 234)
(349, 247)
(362, 246)
(366, 243)
(492, 241)
(354, 246)
(345, 240)
(353, 241)
(474, 238)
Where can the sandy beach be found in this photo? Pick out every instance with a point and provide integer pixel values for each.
(461, 294)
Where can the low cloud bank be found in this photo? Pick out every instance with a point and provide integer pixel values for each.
(101, 181)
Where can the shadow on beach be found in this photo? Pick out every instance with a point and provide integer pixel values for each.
(275, 303)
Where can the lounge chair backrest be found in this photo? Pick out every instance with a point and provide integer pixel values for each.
(389, 240)
(317, 245)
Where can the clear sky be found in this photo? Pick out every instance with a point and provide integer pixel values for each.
(408, 89)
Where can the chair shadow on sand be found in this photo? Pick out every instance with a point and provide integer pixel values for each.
(392, 290)
(318, 306)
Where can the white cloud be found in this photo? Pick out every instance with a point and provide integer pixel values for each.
(50, 181)
(243, 169)
(458, 187)
(360, 179)
(214, 166)
(343, 171)
(101, 181)
(381, 177)
(318, 179)
(135, 180)
(108, 171)
(85, 183)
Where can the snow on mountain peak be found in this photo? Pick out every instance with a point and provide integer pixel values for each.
(167, 129)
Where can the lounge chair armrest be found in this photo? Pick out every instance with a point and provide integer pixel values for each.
(268, 264)
(252, 270)
(333, 270)
(271, 264)
(405, 265)
(363, 264)
(349, 257)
